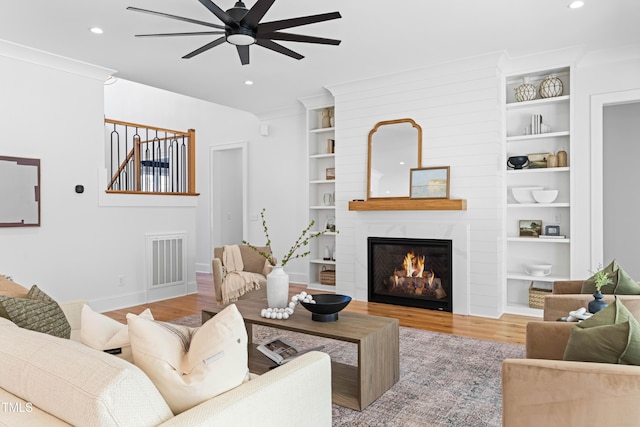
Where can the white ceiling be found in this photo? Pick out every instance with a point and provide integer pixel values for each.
(378, 37)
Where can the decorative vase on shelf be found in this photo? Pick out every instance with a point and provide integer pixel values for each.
(332, 119)
(550, 87)
(597, 304)
(326, 120)
(277, 287)
(562, 158)
(526, 91)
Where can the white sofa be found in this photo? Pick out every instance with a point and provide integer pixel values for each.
(45, 380)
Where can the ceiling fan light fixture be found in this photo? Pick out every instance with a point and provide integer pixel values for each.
(241, 39)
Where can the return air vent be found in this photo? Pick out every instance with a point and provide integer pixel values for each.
(166, 260)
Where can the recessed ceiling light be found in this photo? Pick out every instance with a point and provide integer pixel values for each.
(402, 163)
(248, 82)
(576, 4)
(96, 30)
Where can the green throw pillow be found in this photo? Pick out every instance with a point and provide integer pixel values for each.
(621, 284)
(610, 336)
(37, 312)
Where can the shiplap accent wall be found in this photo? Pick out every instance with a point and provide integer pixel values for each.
(457, 105)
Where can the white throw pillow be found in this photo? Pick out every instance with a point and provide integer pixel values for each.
(191, 365)
(106, 334)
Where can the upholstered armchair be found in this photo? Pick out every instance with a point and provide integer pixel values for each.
(566, 297)
(545, 390)
(253, 263)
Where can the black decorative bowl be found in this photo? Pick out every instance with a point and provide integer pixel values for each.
(326, 307)
(517, 162)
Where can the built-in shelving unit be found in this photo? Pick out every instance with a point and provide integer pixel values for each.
(557, 113)
(321, 146)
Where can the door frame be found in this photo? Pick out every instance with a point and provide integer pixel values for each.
(213, 150)
(598, 103)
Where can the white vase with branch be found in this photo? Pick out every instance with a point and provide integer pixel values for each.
(278, 279)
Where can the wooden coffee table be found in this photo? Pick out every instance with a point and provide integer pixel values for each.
(377, 339)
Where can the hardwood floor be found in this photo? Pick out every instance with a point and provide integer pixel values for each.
(509, 328)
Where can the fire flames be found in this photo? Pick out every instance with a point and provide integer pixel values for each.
(414, 279)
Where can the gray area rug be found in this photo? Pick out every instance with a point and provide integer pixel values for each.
(445, 380)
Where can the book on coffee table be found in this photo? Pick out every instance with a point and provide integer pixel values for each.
(282, 351)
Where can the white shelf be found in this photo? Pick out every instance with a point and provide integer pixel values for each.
(322, 181)
(537, 170)
(321, 130)
(537, 136)
(328, 233)
(538, 205)
(538, 102)
(321, 261)
(323, 156)
(528, 277)
(536, 240)
(323, 207)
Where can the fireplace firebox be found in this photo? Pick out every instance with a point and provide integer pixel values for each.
(410, 272)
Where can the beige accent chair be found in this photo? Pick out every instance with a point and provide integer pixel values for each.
(566, 297)
(253, 263)
(545, 390)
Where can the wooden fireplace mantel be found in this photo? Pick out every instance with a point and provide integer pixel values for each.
(407, 204)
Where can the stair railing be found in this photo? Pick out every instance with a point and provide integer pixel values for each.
(150, 160)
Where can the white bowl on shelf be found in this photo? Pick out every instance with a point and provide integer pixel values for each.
(538, 270)
(544, 196)
(524, 194)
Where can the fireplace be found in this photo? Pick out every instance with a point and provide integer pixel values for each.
(410, 272)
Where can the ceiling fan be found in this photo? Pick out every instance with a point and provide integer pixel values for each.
(242, 28)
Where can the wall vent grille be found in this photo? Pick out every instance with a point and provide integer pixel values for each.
(166, 260)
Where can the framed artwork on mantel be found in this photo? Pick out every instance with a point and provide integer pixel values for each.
(429, 183)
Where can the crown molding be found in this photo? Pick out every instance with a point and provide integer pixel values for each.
(45, 59)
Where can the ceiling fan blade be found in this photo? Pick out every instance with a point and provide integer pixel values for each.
(205, 48)
(256, 13)
(221, 14)
(243, 53)
(198, 33)
(179, 18)
(268, 27)
(278, 48)
(297, 38)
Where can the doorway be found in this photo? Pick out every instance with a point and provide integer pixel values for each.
(615, 143)
(621, 202)
(228, 199)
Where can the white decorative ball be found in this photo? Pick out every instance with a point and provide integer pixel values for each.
(292, 305)
(269, 309)
(303, 294)
(274, 314)
(289, 310)
(285, 315)
(263, 312)
(279, 316)
(313, 301)
(294, 298)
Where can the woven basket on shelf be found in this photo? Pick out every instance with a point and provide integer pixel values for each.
(327, 277)
(536, 296)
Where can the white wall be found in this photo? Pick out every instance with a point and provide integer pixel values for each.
(214, 125)
(456, 105)
(53, 109)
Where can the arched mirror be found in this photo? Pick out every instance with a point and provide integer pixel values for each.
(395, 147)
(19, 192)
